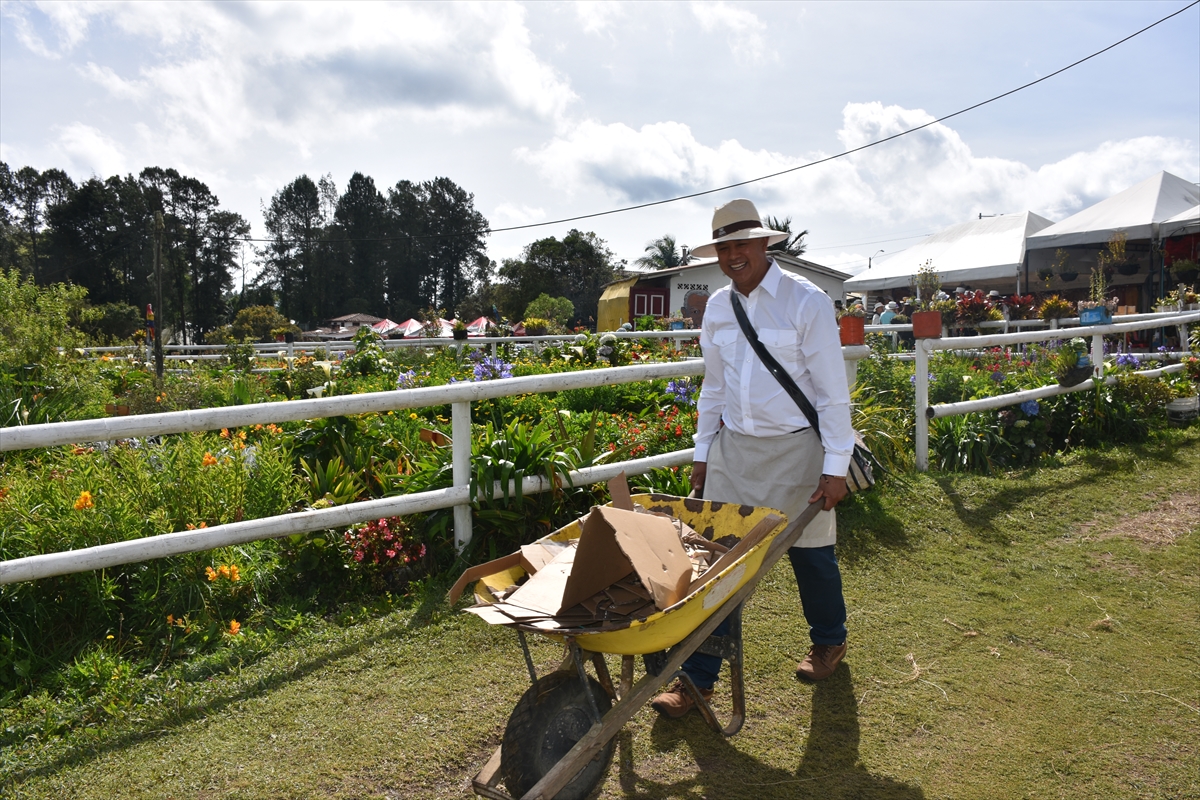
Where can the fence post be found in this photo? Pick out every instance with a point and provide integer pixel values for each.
(922, 392)
(460, 429)
(1098, 357)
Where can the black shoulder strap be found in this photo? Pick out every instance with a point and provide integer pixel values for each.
(772, 365)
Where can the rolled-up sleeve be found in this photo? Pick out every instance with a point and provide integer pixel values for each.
(826, 372)
(711, 404)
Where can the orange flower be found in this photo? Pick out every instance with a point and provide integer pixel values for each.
(3, 493)
(84, 501)
(223, 571)
(234, 627)
(233, 573)
(208, 460)
(170, 619)
(211, 573)
(224, 433)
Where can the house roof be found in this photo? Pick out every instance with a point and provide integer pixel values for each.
(988, 248)
(357, 319)
(1137, 211)
(783, 258)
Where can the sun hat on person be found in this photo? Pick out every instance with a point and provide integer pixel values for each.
(892, 306)
(737, 219)
(878, 306)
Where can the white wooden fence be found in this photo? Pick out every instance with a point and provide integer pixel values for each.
(925, 347)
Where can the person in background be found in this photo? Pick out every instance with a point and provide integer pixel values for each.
(879, 309)
(889, 313)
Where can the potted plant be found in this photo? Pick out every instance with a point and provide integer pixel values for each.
(1021, 306)
(1097, 310)
(1054, 308)
(1185, 270)
(1062, 265)
(459, 330)
(974, 308)
(850, 326)
(1115, 255)
(1072, 363)
(926, 318)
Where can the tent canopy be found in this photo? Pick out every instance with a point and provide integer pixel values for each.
(991, 248)
(1138, 211)
(1182, 223)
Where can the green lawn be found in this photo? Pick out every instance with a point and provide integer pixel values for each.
(1025, 635)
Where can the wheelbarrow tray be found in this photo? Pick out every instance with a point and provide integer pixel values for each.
(725, 522)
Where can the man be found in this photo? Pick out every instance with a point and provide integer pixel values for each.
(889, 313)
(753, 443)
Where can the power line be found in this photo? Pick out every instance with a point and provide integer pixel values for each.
(749, 181)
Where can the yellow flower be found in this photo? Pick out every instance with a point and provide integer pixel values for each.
(208, 460)
(223, 571)
(234, 627)
(233, 573)
(412, 415)
(84, 501)
(211, 573)
(224, 433)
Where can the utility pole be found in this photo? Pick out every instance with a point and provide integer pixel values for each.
(158, 299)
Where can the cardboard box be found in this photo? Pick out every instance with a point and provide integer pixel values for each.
(614, 544)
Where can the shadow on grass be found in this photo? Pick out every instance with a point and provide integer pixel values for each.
(829, 765)
(997, 497)
(867, 526)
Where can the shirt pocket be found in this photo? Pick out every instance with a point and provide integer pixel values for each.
(782, 343)
(725, 341)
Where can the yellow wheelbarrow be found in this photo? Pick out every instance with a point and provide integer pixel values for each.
(559, 738)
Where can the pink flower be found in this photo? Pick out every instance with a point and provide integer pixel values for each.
(358, 555)
(391, 553)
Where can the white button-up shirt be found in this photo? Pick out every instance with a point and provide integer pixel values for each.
(796, 322)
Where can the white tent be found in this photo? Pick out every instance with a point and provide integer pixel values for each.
(991, 248)
(1183, 223)
(1138, 211)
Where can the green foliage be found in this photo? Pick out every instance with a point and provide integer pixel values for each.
(110, 323)
(256, 323)
(556, 309)
(35, 321)
(539, 327)
(369, 357)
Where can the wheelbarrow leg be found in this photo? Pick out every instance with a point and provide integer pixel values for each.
(729, 648)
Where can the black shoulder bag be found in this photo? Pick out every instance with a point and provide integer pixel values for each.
(861, 475)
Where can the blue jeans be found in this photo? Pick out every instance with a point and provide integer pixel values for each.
(820, 584)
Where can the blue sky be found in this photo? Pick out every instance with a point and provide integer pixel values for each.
(552, 110)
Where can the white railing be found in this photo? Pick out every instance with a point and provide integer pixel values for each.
(458, 395)
(924, 412)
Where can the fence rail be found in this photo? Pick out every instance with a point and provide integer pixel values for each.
(925, 347)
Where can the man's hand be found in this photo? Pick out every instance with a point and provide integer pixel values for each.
(699, 468)
(831, 488)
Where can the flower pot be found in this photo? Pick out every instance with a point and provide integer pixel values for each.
(1068, 277)
(1099, 315)
(1075, 375)
(117, 410)
(851, 331)
(1128, 267)
(460, 335)
(927, 324)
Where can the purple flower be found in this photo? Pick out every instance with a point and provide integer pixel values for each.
(491, 367)
(1030, 407)
(1128, 360)
(998, 376)
(407, 380)
(683, 391)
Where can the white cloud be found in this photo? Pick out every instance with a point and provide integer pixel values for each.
(507, 214)
(307, 73)
(88, 150)
(929, 177)
(597, 16)
(746, 33)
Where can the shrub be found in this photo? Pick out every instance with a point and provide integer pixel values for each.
(257, 323)
(555, 309)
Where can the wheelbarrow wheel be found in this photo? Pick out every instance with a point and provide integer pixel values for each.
(551, 717)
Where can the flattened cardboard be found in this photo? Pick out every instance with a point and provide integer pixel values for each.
(615, 543)
(539, 554)
(618, 490)
(479, 571)
(543, 592)
(744, 545)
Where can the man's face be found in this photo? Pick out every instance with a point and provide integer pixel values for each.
(744, 261)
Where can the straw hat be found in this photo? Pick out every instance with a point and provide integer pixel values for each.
(737, 219)
(892, 306)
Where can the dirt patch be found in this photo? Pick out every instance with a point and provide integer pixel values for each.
(1162, 525)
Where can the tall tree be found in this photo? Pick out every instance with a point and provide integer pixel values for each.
(577, 268)
(363, 227)
(295, 224)
(662, 253)
(30, 194)
(794, 245)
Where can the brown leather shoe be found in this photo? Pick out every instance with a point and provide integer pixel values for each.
(677, 701)
(821, 661)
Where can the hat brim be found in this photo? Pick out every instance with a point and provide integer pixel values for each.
(710, 248)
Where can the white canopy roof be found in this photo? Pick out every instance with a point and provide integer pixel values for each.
(992, 248)
(1137, 211)
(1184, 222)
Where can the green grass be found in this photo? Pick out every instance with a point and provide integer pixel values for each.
(1011, 636)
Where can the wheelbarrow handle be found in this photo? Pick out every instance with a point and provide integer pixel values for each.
(594, 740)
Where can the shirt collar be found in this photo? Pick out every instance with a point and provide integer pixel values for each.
(770, 281)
